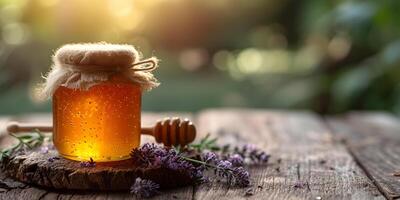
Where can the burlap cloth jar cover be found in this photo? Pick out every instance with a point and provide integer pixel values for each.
(80, 66)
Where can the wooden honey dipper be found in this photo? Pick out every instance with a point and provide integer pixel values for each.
(167, 131)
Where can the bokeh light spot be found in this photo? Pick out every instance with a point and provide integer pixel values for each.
(14, 33)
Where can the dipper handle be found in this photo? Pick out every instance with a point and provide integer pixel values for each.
(167, 131)
(16, 127)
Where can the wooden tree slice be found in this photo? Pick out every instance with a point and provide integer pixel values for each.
(52, 171)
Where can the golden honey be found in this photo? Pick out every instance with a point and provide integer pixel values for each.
(101, 123)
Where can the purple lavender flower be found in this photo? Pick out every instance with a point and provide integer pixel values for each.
(148, 155)
(44, 149)
(251, 154)
(224, 164)
(174, 162)
(209, 157)
(229, 168)
(249, 148)
(299, 184)
(236, 160)
(241, 177)
(144, 188)
(263, 157)
(223, 170)
(52, 159)
(233, 175)
(151, 155)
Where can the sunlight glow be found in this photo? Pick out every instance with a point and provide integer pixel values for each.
(14, 33)
(249, 61)
(49, 3)
(121, 8)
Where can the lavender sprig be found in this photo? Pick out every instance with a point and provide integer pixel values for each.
(25, 141)
(209, 157)
(144, 188)
(226, 162)
(153, 156)
(234, 174)
(236, 160)
(224, 169)
(249, 153)
(206, 143)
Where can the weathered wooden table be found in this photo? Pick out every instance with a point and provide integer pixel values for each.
(352, 156)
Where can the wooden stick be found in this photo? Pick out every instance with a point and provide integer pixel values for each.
(168, 131)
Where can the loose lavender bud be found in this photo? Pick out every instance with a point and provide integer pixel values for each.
(299, 184)
(143, 188)
(236, 160)
(87, 164)
(90, 163)
(263, 157)
(44, 149)
(52, 159)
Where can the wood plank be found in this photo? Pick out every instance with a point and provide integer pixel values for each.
(179, 193)
(10, 189)
(374, 140)
(302, 149)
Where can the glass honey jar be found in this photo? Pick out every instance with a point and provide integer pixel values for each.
(97, 104)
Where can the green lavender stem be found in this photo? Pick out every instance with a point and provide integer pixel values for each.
(203, 163)
(29, 140)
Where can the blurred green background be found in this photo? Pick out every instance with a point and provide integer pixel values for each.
(327, 56)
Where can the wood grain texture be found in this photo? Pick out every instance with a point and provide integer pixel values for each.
(303, 154)
(374, 141)
(42, 169)
(10, 189)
